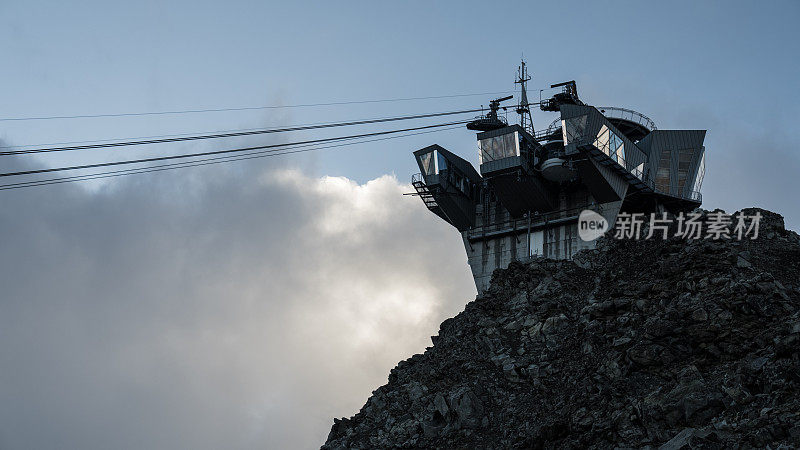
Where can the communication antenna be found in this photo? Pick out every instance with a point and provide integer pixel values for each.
(523, 108)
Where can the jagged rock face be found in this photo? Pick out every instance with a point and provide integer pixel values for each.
(678, 344)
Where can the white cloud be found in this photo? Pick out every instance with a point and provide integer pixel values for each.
(243, 312)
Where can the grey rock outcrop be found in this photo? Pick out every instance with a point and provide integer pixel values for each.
(670, 344)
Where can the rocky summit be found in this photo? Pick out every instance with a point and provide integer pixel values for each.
(647, 343)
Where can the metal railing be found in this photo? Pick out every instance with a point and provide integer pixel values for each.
(613, 112)
(547, 132)
(522, 223)
(693, 195)
(554, 125)
(502, 116)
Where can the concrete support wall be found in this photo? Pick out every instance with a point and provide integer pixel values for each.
(485, 256)
(496, 241)
(560, 242)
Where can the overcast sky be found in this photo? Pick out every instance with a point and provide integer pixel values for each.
(244, 305)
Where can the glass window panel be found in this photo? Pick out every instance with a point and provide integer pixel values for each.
(639, 171)
(510, 148)
(503, 145)
(615, 147)
(428, 167)
(684, 160)
(499, 147)
(613, 143)
(621, 155)
(701, 171)
(513, 148)
(442, 163)
(602, 141)
(617, 142)
(487, 150)
(662, 174)
(573, 129)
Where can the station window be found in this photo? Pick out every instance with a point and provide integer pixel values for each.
(428, 166)
(573, 129)
(611, 144)
(701, 172)
(684, 161)
(499, 147)
(432, 162)
(639, 171)
(602, 140)
(616, 148)
(662, 174)
(441, 163)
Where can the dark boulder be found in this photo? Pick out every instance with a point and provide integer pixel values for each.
(664, 344)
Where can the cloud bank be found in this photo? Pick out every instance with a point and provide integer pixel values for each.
(218, 308)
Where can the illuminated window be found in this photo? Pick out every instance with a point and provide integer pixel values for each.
(639, 171)
(611, 144)
(616, 148)
(573, 129)
(602, 141)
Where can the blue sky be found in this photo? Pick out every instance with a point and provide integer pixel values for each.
(729, 67)
(246, 304)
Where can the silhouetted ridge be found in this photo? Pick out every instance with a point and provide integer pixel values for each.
(676, 343)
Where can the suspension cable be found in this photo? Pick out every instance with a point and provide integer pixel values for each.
(235, 134)
(204, 162)
(218, 152)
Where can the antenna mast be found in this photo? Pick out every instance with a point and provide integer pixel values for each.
(523, 108)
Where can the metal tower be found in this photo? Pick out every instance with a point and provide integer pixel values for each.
(523, 108)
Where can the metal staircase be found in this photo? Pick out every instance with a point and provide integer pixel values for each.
(424, 193)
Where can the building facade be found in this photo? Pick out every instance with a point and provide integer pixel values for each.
(525, 199)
